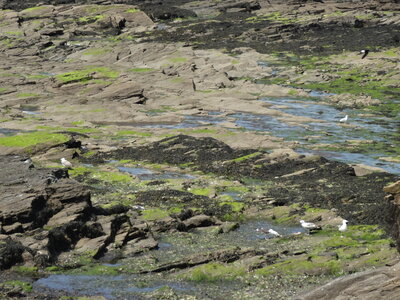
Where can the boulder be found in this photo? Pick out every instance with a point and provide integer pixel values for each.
(380, 283)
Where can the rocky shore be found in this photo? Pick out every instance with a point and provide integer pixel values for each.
(191, 128)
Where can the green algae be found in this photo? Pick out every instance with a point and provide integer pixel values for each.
(28, 271)
(158, 213)
(91, 19)
(106, 176)
(33, 8)
(201, 191)
(112, 177)
(97, 269)
(132, 10)
(141, 70)
(235, 206)
(213, 272)
(26, 286)
(27, 95)
(303, 265)
(33, 138)
(85, 75)
(246, 157)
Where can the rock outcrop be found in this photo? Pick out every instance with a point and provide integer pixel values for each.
(380, 283)
(393, 196)
(44, 213)
(46, 217)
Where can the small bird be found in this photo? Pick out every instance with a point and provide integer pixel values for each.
(344, 120)
(274, 233)
(66, 163)
(269, 231)
(364, 52)
(308, 225)
(343, 227)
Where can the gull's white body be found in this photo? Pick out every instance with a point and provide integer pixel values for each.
(66, 163)
(307, 225)
(343, 227)
(273, 232)
(344, 120)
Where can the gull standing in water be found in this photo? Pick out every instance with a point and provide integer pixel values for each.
(344, 120)
(308, 225)
(66, 163)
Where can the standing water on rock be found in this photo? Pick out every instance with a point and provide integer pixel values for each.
(199, 134)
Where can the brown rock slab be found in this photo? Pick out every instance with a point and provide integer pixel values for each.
(393, 188)
(381, 283)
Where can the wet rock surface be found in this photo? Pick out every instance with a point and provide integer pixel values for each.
(182, 120)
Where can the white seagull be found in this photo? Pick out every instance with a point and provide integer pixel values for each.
(66, 163)
(344, 120)
(274, 233)
(343, 227)
(308, 225)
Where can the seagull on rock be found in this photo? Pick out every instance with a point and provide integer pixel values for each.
(344, 120)
(308, 225)
(364, 53)
(343, 227)
(66, 163)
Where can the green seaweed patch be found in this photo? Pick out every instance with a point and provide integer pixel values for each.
(214, 272)
(27, 95)
(107, 176)
(33, 8)
(201, 191)
(178, 59)
(33, 138)
(53, 269)
(303, 265)
(86, 75)
(158, 213)
(246, 157)
(25, 270)
(112, 177)
(14, 33)
(26, 286)
(234, 205)
(90, 19)
(98, 269)
(132, 10)
(141, 70)
(96, 51)
(391, 109)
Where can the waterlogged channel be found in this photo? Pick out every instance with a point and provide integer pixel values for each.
(142, 286)
(110, 287)
(378, 135)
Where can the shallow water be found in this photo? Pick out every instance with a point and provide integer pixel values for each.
(190, 121)
(247, 232)
(9, 131)
(29, 109)
(355, 158)
(110, 287)
(147, 174)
